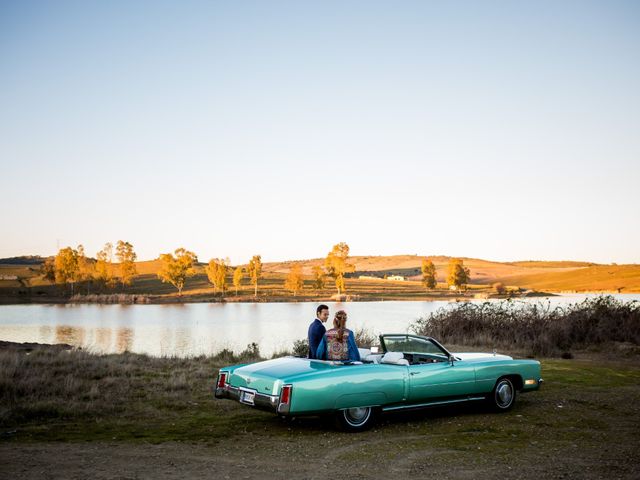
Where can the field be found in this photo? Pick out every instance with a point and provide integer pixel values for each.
(76, 415)
(529, 276)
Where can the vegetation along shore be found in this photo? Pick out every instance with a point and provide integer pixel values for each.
(118, 277)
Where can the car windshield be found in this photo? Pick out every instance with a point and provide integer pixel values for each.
(411, 344)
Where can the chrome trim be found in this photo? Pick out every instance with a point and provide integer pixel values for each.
(284, 408)
(431, 404)
(261, 400)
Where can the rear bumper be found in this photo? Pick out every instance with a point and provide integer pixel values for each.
(270, 403)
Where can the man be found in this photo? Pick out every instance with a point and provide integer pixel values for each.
(317, 330)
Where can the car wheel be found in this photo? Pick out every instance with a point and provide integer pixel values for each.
(503, 396)
(355, 419)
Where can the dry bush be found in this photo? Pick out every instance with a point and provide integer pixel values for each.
(122, 298)
(365, 338)
(535, 327)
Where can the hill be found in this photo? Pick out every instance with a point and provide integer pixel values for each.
(23, 278)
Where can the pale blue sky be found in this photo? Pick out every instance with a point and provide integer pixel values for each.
(500, 130)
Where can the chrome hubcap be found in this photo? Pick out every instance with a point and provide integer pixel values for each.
(357, 416)
(504, 394)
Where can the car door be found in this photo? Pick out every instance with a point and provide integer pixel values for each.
(431, 373)
(431, 381)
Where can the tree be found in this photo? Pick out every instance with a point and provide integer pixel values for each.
(49, 269)
(127, 257)
(217, 274)
(85, 268)
(66, 266)
(254, 269)
(294, 282)
(238, 275)
(459, 275)
(318, 277)
(104, 265)
(176, 270)
(428, 274)
(499, 288)
(336, 264)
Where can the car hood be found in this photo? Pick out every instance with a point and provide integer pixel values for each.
(473, 356)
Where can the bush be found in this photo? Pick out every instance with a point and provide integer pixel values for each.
(301, 348)
(535, 327)
(499, 288)
(365, 338)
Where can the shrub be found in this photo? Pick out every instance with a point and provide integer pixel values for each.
(535, 327)
(499, 288)
(365, 338)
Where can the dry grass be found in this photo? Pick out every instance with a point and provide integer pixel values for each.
(47, 384)
(536, 328)
(121, 298)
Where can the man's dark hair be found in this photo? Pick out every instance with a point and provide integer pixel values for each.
(320, 308)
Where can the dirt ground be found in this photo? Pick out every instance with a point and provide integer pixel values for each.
(398, 446)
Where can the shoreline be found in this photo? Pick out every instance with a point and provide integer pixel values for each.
(145, 299)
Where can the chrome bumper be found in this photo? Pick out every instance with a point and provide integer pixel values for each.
(262, 401)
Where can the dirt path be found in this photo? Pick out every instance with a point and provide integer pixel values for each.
(319, 456)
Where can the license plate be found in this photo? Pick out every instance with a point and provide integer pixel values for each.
(247, 397)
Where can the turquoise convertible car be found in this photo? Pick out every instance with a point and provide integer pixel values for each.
(409, 372)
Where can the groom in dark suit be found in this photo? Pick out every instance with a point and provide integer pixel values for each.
(317, 330)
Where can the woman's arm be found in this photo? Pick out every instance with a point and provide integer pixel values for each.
(354, 353)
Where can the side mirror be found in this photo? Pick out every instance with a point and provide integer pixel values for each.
(451, 360)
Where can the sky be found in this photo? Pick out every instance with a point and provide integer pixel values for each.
(502, 130)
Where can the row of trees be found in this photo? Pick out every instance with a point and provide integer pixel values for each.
(177, 267)
(72, 265)
(458, 275)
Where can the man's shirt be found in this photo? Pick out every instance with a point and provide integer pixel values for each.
(315, 334)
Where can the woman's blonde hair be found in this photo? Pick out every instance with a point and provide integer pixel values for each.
(339, 322)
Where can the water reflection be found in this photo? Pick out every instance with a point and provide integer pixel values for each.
(70, 335)
(124, 339)
(195, 329)
(102, 339)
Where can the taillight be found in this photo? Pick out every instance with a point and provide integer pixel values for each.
(285, 394)
(222, 379)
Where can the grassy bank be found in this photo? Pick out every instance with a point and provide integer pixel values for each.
(583, 422)
(537, 328)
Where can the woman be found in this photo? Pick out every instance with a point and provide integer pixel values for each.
(339, 343)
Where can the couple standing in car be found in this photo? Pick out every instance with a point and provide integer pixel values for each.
(338, 343)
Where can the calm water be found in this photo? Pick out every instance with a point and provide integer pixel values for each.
(194, 329)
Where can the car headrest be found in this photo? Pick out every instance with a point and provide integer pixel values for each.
(373, 358)
(395, 358)
(364, 352)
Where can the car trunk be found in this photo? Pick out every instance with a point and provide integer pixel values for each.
(263, 376)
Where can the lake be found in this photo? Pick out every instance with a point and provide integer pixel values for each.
(205, 328)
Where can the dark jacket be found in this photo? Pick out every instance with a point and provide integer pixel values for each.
(316, 332)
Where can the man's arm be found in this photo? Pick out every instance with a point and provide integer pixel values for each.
(315, 334)
(321, 351)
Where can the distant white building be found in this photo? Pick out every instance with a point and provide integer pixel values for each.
(397, 278)
(8, 277)
(368, 277)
